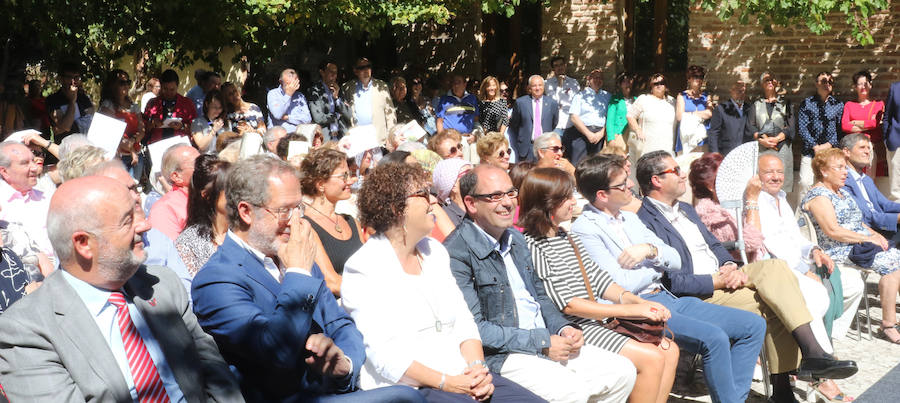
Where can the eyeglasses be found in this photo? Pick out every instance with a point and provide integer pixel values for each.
(344, 176)
(497, 197)
(769, 79)
(285, 213)
(504, 153)
(828, 81)
(363, 67)
(837, 168)
(676, 171)
(621, 187)
(556, 149)
(426, 194)
(454, 149)
(659, 83)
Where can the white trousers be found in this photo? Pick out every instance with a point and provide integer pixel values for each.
(854, 290)
(807, 179)
(893, 160)
(816, 297)
(596, 375)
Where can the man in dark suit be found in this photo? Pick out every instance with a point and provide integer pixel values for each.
(878, 212)
(266, 304)
(525, 338)
(325, 103)
(709, 272)
(729, 120)
(891, 131)
(532, 115)
(105, 327)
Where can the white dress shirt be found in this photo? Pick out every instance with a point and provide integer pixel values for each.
(267, 262)
(856, 177)
(404, 317)
(563, 95)
(104, 314)
(537, 105)
(782, 236)
(704, 260)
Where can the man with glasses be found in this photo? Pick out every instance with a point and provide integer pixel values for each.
(368, 101)
(532, 115)
(525, 338)
(818, 124)
(728, 339)
(588, 116)
(266, 304)
(709, 272)
(70, 108)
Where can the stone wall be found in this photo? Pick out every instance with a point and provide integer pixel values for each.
(732, 51)
(584, 32)
(442, 48)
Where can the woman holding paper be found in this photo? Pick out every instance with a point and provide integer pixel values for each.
(115, 102)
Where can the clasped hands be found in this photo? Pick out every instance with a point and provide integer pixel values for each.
(476, 381)
(566, 345)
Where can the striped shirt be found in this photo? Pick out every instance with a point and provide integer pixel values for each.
(557, 266)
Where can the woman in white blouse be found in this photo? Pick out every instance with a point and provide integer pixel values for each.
(652, 118)
(398, 288)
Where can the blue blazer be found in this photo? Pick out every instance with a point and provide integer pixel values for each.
(891, 122)
(684, 281)
(261, 326)
(883, 214)
(521, 126)
(481, 276)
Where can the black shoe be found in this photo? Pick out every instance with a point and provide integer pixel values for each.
(825, 368)
(787, 399)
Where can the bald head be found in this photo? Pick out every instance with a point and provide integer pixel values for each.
(77, 205)
(178, 164)
(771, 173)
(536, 86)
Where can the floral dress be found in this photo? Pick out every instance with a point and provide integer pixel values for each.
(850, 217)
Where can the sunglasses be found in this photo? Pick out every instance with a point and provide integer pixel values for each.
(659, 83)
(426, 194)
(828, 81)
(504, 153)
(454, 149)
(38, 153)
(555, 149)
(676, 171)
(504, 90)
(497, 197)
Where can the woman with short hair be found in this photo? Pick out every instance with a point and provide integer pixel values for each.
(493, 148)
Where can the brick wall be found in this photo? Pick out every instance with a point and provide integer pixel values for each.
(433, 48)
(584, 32)
(731, 51)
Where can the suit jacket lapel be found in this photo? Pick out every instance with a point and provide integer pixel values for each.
(251, 265)
(598, 219)
(78, 326)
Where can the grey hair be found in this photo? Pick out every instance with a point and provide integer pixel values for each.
(535, 76)
(63, 222)
(270, 134)
(248, 182)
(71, 142)
(171, 160)
(5, 160)
(542, 141)
(79, 161)
(648, 165)
(764, 74)
(850, 140)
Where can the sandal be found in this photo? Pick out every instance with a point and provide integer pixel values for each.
(895, 339)
(840, 397)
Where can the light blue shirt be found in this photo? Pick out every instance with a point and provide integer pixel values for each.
(856, 177)
(591, 106)
(527, 308)
(362, 103)
(197, 95)
(104, 314)
(294, 106)
(161, 252)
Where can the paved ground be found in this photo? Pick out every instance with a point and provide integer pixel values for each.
(875, 358)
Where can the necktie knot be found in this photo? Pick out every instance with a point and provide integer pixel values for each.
(117, 299)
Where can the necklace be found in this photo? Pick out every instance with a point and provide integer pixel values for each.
(337, 224)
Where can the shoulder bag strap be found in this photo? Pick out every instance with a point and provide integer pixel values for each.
(587, 283)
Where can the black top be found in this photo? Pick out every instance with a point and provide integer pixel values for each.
(58, 100)
(13, 280)
(493, 114)
(338, 251)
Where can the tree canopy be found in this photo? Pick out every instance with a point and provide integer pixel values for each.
(177, 33)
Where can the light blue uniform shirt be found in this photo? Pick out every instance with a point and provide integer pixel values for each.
(294, 106)
(527, 308)
(591, 106)
(362, 103)
(104, 314)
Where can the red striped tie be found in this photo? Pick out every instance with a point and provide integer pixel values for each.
(149, 386)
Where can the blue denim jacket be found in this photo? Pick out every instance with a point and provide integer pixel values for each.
(481, 276)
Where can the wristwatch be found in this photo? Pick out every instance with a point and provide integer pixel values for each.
(654, 252)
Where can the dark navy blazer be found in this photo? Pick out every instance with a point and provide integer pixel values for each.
(891, 122)
(883, 214)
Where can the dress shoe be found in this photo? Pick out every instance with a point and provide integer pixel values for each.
(825, 367)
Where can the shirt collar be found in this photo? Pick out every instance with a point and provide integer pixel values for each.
(253, 251)
(359, 85)
(95, 299)
(855, 175)
(8, 193)
(501, 246)
(664, 208)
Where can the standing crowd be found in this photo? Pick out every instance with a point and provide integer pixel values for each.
(383, 241)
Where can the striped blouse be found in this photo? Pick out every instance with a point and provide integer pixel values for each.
(557, 266)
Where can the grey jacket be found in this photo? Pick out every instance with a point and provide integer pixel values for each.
(317, 98)
(481, 275)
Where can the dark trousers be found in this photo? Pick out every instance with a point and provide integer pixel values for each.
(389, 394)
(504, 391)
(578, 147)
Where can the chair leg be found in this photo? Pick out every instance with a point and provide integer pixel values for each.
(865, 275)
(764, 364)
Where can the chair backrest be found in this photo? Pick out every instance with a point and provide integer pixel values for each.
(804, 221)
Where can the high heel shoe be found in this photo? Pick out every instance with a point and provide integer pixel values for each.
(840, 397)
(894, 339)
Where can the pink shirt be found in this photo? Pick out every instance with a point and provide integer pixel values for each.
(30, 210)
(870, 114)
(169, 213)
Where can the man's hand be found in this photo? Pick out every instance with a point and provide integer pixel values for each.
(577, 338)
(813, 276)
(727, 268)
(754, 186)
(327, 358)
(820, 258)
(71, 93)
(300, 250)
(633, 255)
(821, 147)
(292, 86)
(733, 280)
(560, 348)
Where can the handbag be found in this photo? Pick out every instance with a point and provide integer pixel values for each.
(642, 330)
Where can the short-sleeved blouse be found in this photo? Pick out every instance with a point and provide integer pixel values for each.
(493, 114)
(850, 217)
(195, 250)
(253, 116)
(557, 266)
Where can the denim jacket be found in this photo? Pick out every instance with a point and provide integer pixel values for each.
(481, 276)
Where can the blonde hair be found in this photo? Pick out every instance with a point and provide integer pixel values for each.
(482, 90)
(822, 158)
(489, 143)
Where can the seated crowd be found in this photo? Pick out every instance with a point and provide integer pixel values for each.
(279, 253)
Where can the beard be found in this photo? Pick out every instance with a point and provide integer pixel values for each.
(263, 240)
(118, 266)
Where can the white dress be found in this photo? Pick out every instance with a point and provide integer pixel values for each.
(657, 120)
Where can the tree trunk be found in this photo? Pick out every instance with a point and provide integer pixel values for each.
(660, 22)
